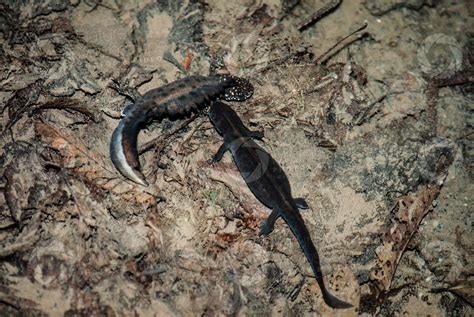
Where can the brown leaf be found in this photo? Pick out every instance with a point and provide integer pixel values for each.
(412, 209)
(91, 166)
(21, 101)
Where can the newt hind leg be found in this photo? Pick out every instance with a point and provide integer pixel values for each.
(269, 224)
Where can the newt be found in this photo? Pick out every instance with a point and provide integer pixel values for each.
(178, 98)
(269, 184)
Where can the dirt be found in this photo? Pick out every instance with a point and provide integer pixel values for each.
(375, 134)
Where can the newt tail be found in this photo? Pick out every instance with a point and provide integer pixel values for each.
(296, 224)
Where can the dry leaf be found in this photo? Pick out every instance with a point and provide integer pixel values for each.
(91, 165)
(396, 236)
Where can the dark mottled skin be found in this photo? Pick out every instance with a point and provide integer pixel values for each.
(269, 184)
(178, 98)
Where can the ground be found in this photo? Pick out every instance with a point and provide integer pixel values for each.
(374, 132)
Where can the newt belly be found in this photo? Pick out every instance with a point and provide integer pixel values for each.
(178, 98)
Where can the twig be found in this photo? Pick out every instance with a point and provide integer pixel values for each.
(297, 52)
(321, 12)
(321, 59)
(460, 78)
(160, 139)
(365, 114)
(190, 134)
(112, 114)
(293, 295)
(432, 93)
(322, 83)
(74, 105)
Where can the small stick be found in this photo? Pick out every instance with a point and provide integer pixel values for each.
(321, 12)
(191, 133)
(66, 104)
(112, 114)
(151, 144)
(320, 59)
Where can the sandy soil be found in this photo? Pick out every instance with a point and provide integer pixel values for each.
(376, 135)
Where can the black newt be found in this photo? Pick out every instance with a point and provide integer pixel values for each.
(268, 183)
(177, 98)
